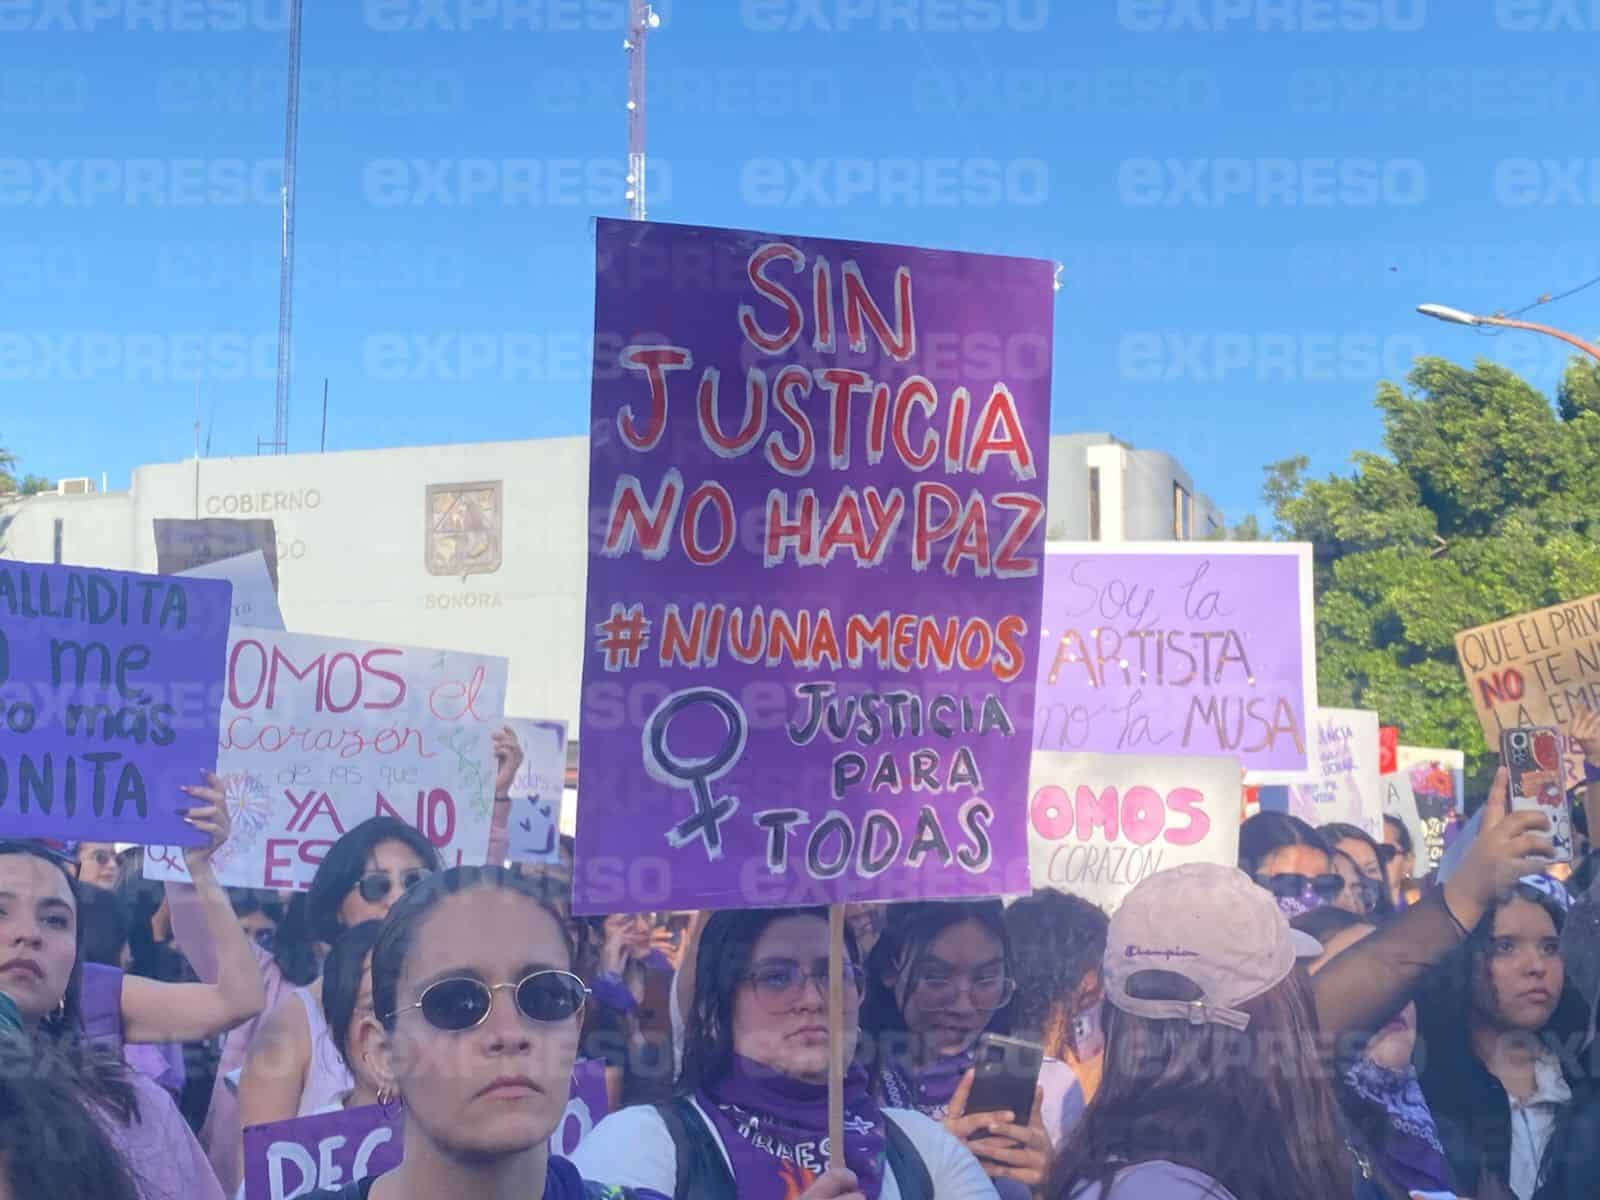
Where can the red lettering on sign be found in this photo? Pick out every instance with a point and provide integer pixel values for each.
(455, 700)
(756, 272)
(900, 343)
(655, 361)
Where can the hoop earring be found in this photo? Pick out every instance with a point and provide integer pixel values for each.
(386, 1097)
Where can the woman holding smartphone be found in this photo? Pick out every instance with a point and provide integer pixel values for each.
(940, 977)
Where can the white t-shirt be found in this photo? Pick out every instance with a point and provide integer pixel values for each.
(632, 1148)
(1063, 1099)
(1533, 1121)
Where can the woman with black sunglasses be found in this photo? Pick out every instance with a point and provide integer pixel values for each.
(476, 1029)
(293, 1067)
(1291, 860)
(1370, 859)
(751, 1114)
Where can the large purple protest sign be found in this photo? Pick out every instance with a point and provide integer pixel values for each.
(1150, 648)
(110, 689)
(817, 496)
(290, 1159)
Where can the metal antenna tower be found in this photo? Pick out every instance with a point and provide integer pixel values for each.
(641, 19)
(291, 147)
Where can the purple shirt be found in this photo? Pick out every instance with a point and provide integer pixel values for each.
(161, 1152)
(1157, 1180)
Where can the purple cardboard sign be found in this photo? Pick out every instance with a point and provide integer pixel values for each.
(110, 689)
(1156, 648)
(816, 493)
(289, 1159)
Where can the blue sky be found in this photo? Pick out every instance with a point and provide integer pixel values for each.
(1249, 197)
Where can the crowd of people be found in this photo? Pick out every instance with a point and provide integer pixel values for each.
(1318, 1023)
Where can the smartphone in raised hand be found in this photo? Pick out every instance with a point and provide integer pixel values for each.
(1004, 1077)
(1532, 755)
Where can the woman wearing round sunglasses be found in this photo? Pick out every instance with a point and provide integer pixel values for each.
(299, 1070)
(939, 978)
(476, 1029)
(751, 1114)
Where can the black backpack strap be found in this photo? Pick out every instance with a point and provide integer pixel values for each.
(702, 1172)
(905, 1163)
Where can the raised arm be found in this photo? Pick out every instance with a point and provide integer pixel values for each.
(1364, 986)
(233, 991)
(683, 981)
(274, 1076)
(508, 761)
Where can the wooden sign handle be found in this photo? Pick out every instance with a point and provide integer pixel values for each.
(836, 1038)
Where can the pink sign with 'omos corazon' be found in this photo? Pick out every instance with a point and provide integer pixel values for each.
(1100, 823)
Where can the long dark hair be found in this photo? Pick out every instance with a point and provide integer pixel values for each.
(1450, 1061)
(1058, 939)
(910, 930)
(1368, 1119)
(727, 946)
(1449, 991)
(1252, 1109)
(341, 981)
(397, 932)
(101, 1075)
(103, 926)
(1267, 832)
(50, 1144)
(1393, 822)
(1337, 831)
(312, 917)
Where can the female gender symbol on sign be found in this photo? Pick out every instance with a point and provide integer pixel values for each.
(696, 774)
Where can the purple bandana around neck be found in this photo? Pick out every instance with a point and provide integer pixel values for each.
(928, 1089)
(1411, 1152)
(775, 1130)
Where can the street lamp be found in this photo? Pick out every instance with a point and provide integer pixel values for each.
(1456, 316)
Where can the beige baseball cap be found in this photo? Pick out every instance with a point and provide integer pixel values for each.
(1212, 925)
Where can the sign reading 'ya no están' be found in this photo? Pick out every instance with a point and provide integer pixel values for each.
(318, 734)
(817, 490)
(1154, 648)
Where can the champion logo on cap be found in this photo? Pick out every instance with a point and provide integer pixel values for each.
(1142, 952)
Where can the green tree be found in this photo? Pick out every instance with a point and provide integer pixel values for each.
(1485, 505)
(28, 485)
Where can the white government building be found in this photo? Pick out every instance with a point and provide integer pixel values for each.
(362, 555)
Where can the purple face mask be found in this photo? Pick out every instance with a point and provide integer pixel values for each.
(1295, 906)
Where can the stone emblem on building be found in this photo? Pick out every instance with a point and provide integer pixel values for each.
(466, 524)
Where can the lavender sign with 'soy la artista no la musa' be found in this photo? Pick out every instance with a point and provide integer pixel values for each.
(1180, 648)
